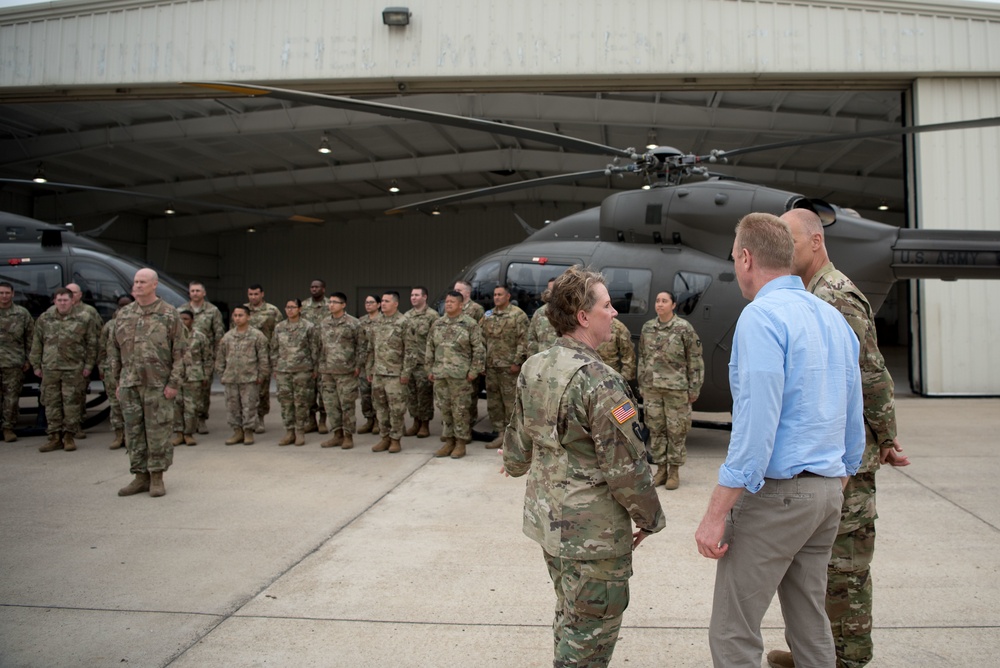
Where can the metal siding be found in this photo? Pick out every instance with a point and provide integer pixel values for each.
(118, 43)
(957, 177)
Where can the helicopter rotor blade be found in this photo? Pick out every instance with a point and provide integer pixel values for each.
(507, 187)
(910, 130)
(440, 118)
(166, 198)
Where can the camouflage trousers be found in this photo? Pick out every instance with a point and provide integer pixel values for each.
(111, 388)
(365, 390)
(420, 395)
(63, 394)
(452, 398)
(668, 417)
(849, 584)
(474, 390)
(204, 400)
(501, 385)
(296, 394)
(186, 413)
(149, 418)
(264, 400)
(389, 397)
(591, 598)
(11, 381)
(241, 404)
(340, 396)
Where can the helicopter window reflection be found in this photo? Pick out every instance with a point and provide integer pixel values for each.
(33, 284)
(688, 289)
(528, 281)
(629, 288)
(483, 281)
(101, 287)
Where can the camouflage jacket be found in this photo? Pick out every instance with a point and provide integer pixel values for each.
(243, 357)
(418, 326)
(64, 342)
(208, 321)
(474, 310)
(265, 318)
(199, 360)
(837, 289)
(588, 481)
(454, 348)
(506, 335)
(103, 361)
(147, 346)
(17, 328)
(541, 333)
(387, 346)
(294, 347)
(670, 356)
(343, 345)
(619, 353)
(315, 312)
(96, 321)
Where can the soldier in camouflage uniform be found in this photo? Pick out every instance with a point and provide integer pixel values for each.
(63, 351)
(386, 352)
(147, 360)
(265, 317)
(372, 313)
(541, 336)
(315, 309)
(619, 353)
(208, 321)
(420, 395)
(96, 323)
(343, 346)
(574, 430)
(671, 371)
(505, 332)
(199, 365)
(17, 328)
(475, 311)
(110, 384)
(454, 357)
(244, 366)
(294, 356)
(849, 585)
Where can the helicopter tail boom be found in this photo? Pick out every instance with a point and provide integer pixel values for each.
(946, 254)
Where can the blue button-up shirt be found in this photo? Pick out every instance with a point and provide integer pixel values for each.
(796, 388)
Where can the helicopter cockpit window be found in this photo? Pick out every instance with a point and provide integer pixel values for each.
(33, 284)
(527, 281)
(629, 288)
(483, 281)
(101, 287)
(688, 289)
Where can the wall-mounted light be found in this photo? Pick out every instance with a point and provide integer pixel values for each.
(39, 175)
(651, 140)
(396, 16)
(324, 146)
(393, 188)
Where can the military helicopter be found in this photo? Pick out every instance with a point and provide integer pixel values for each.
(677, 234)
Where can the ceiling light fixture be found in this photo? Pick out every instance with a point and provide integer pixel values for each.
(324, 146)
(393, 188)
(651, 139)
(435, 211)
(170, 209)
(40, 175)
(396, 16)
(883, 206)
(251, 230)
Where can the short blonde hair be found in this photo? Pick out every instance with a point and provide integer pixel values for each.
(768, 239)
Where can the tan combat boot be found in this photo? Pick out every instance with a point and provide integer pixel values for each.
(156, 487)
(348, 441)
(382, 445)
(414, 428)
(367, 426)
(312, 426)
(259, 429)
(394, 445)
(376, 429)
(425, 429)
(177, 439)
(119, 440)
(334, 441)
(248, 436)
(139, 484)
(445, 450)
(237, 437)
(459, 450)
(80, 434)
(288, 438)
(661, 475)
(673, 478)
(496, 442)
(69, 445)
(189, 439)
(54, 443)
(300, 437)
(202, 427)
(323, 429)
(9, 436)
(779, 658)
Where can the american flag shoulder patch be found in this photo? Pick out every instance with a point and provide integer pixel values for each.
(623, 412)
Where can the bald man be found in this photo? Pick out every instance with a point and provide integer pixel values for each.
(147, 359)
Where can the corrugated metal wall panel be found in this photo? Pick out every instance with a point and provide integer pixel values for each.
(957, 177)
(119, 43)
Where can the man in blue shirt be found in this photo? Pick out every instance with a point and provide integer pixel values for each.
(798, 433)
